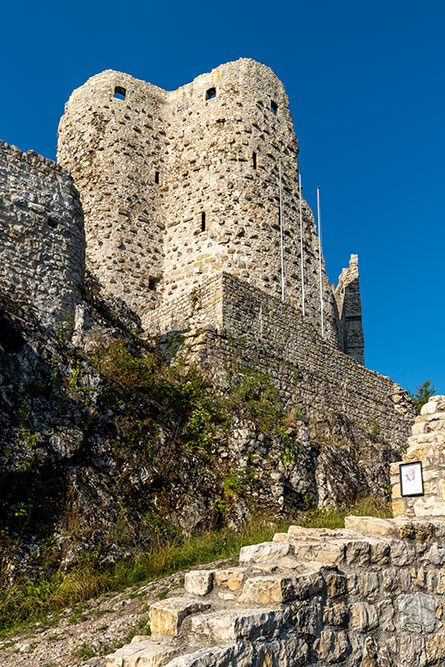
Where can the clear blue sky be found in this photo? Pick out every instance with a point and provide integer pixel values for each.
(365, 81)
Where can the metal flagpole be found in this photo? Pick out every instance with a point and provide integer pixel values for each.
(301, 247)
(319, 258)
(281, 233)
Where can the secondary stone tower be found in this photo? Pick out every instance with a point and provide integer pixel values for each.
(178, 187)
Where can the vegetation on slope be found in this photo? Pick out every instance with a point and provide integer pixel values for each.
(31, 601)
(126, 463)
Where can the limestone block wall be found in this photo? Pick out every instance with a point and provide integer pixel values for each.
(370, 595)
(179, 186)
(243, 324)
(42, 243)
(202, 307)
(309, 371)
(425, 444)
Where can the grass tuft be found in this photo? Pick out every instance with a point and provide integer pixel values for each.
(334, 517)
(28, 602)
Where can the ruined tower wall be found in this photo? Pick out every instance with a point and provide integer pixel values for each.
(215, 157)
(113, 148)
(347, 295)
(42, 244)
(225, 164)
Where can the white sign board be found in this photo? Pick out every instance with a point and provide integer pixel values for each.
(411, 479)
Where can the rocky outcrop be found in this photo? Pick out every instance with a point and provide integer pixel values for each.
(370, 595)
(151, 445)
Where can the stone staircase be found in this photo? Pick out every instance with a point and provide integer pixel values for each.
(370, 595)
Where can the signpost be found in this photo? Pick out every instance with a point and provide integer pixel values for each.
(411, 479)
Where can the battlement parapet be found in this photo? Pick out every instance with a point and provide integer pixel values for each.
(14, 154)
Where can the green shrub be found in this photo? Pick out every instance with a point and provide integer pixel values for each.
(423, 394)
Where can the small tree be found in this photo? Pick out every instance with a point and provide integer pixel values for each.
(423, 394)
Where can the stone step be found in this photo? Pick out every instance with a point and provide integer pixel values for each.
(313, 550)
(318, 533)
(372, 525)
(229, 582)
(285, 652)
(214, 656)
(149, 653)
(203, 582)
(237, 624)
(346, 548)
(166, 616)
(256, 585)
(264, 552)
(278, 589)
(268, 590)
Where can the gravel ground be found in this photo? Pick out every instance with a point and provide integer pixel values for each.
(85, 634)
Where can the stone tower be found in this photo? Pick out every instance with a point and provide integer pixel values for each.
(180, 186)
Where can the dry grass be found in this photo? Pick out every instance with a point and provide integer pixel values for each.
(28, 602)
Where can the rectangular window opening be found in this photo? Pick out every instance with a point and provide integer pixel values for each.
(157, 177)
(153, 283)
(120, 93)
(254, 160)
(203, 222)
(273, 106)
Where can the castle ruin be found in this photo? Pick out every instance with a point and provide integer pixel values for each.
(180, 186)
(179, 193)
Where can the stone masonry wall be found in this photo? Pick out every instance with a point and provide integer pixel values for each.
(113, 149)
(224, 162)
(370, 595)
(307, 370)
(179, 186)
(42, 243)
(347, 295)
(426, 444)
(243, 325)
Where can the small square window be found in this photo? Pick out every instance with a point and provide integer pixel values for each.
(153, 283)
(120, 93)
